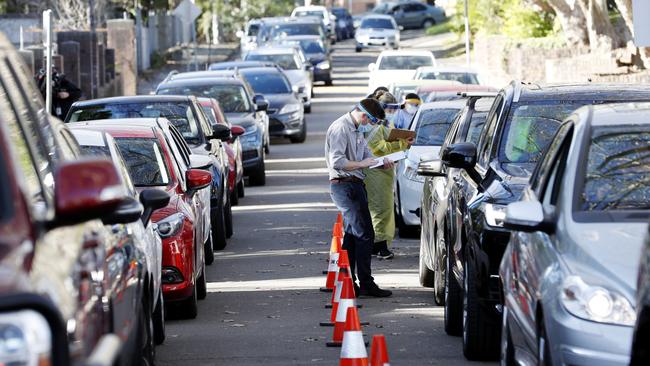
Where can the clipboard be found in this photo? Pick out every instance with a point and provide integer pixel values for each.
(398, 133)
(394, 157)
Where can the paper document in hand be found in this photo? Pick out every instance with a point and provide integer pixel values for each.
(400, 155)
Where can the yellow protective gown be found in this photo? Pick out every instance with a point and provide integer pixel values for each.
(379, 184)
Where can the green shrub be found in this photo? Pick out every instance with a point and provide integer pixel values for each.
(440, 28)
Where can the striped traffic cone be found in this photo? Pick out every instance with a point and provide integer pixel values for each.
(339, 218)
(343, 267)
(353, 349)
(333, 266)
(337, 232)
(378, 352)
(346, 301)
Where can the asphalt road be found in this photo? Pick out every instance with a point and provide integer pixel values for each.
(263, 304)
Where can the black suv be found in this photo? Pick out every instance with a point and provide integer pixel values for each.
(520, 125)
(187, 116)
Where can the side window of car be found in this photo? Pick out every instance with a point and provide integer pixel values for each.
(487, 136)
(553, 183)
(418, 7)
(542, 173)
(450, 137)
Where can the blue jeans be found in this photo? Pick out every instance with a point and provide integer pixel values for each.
(352, 200)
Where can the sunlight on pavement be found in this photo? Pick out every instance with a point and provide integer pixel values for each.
(296, 160)
(286, 207)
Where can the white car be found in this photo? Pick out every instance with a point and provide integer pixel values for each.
(461, 74)
(321, 12)
(430, 125)
(248, 37)
(295, 66)
(397, 65)
(377, 31)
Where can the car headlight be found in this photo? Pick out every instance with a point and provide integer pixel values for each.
(290, 108)
(325, 65)
(411, 172)
(495, 214)
(596, 303)
(170, 225)
(25, 339)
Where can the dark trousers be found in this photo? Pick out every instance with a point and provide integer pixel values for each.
(352, 200)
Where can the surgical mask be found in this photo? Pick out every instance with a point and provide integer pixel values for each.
(410, 108)
(391, 117)
(365, 128)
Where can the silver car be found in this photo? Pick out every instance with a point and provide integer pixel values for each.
(569, 272)
(377, 31)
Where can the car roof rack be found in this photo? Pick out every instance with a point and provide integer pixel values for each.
(169, 76)
(477, 94)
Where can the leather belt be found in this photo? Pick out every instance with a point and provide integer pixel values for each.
(346, 180)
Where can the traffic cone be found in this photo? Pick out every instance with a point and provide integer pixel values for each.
(378, 352)
(353, 350)
(346, 301)
(337, 230)
(333, 266)
(343, 267)
(339, 218)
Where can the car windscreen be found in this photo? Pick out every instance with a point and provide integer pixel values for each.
(376, 23)
(339, 13)
(144, 159)
(231, 97)
(268, 83)
(404, 62)
(461, 77)
(180, 114)
(311, 46)
(617, 173)
(284, 60)
(284, 30)
(529, 129)
(433, 124)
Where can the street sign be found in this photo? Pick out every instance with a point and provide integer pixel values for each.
(187, 11)
(640, 12)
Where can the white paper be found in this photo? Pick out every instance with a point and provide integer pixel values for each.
(400, 155)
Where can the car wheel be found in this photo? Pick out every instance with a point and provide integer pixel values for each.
(428, 23)
(258, 176)
(307, 109)
(439, 275)
(218, 228)
(479, 336)
(201, 286)
(426, 275)
(146, 350)
(234, 197)
(240, 189)
(328, 81)
(543, 348)
(507, 350)
(209, 250)
(159, 320)
(266, 148)
(189, 309)
(302, 136)
(357, 49)
(228, 219)
(453, 300)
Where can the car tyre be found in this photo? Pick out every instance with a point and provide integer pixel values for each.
(426, 275)
(146, 350)
(439, 274)
(228, 219)
(428, 23)
(453, 301)
(543, 348)
(507, 350)
(307, 109)
(159, 320)
(241, 189)
(479, 336)
(302, 136)
(218, 229)
(357, 49)
(328, 81)
(258, 176)
(209, 250)
(190, 308)
(234, 197)
(201, 286)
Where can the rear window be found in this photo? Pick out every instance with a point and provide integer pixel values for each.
(618, 169)
(284, 30)
(376, 23)
(144, 159)
(530, 128)
(461, 77)
(433, 125)
(404, 62)
(268, 83)
(309, 13)
(284, 60)
(231, 97)
(180, 114)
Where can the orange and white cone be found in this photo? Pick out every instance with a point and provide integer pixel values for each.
(339, 218)
(343, 267)
(333, 266)
(337, 230)
(378, 352)
(353, 350)
(346, 301)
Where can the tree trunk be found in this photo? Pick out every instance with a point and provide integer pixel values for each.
(573, 22)
(602, 35)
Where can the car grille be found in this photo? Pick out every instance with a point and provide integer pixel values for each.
(275, 125)
(249, 154)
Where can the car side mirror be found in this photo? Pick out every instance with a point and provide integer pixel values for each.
(462, 156)
(221, 132)
(152, 199)
(236, 132)
(527, 216)
(197, 179)
(401, 27)
(261, 102)
(129, 210)
(298, 89)
(432, 168)
(371, 66)
(84, 190)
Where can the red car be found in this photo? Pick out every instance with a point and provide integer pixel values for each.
(155, 157)
(214, 113)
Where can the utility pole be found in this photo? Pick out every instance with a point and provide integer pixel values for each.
(468, 60)
(47, 27)
(93, 46)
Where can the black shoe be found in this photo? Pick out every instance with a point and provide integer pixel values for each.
(378, 247)
(374, 291)
(385, 254)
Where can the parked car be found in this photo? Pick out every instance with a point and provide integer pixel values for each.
(449, 90)
(286, 116)
(320, 12)
(437, 180)
(298, 72)
(241, 108)
(344, 23)
(397, 65)
(377, 31)
(412, 14)
(233, 149)
(155, 159)
(53, 204)
(640, 353)
(275, 29)
(238, 65)
(520, 126)
(248, 37)
(138, 238)
(400, 89)
(463, 75)
(317, 53)
(570, 270)
(186, 114)
(430, 124)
